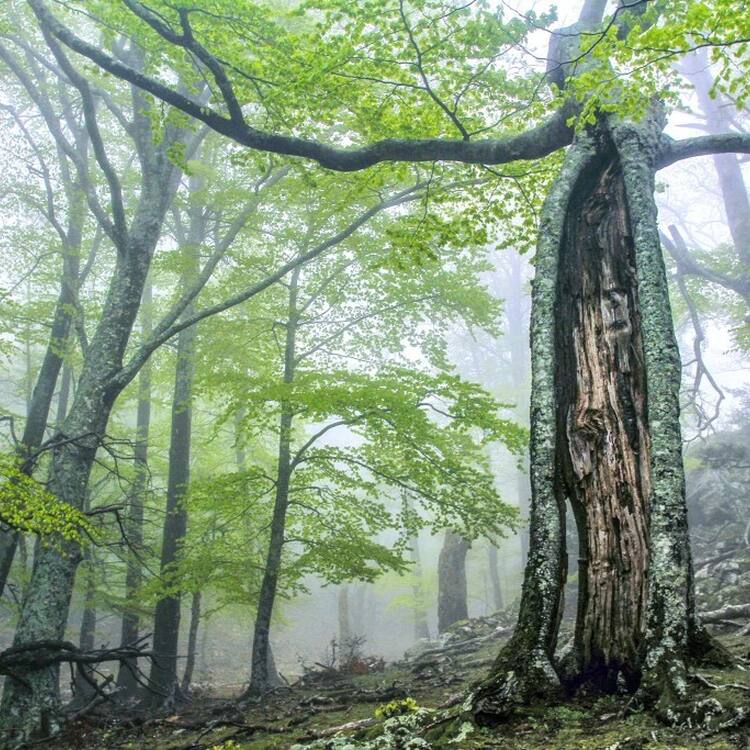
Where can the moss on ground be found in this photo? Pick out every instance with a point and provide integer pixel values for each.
(297, 716)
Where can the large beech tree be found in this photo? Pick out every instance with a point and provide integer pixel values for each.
(606, 371)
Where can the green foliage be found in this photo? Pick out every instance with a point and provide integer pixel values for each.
(25, 505)
(396, 708)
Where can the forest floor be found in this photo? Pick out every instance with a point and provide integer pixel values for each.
(299, 715)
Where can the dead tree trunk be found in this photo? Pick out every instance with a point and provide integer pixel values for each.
(606, 434)
(452, 602)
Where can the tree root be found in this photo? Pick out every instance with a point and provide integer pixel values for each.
(511, 685)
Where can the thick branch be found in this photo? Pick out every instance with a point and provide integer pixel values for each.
(702, 145)
(534, 143)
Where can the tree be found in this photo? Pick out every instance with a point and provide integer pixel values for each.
(452, 602)
(607, 177)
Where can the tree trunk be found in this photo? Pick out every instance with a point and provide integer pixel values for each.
(195, 618)
(601, 332)
(421, 628)
(163, 675)
(260, 677)
(127, 675)
(83, 690)
(39, 400)
(345, 626)
(452, 603)
(30, 706)
(497, 591)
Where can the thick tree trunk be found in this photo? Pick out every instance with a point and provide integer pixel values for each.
(195, 618)
(127, 675)
(606, 434)
(260, 678)
(452, 602)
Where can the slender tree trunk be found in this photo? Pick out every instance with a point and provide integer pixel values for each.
(127, 675)
(452, 602)
(39, 399)
(259, 677)
(492, 564)
(163, 675)
(421, 628)
(195, 618)
(345, 626)
(83, 690)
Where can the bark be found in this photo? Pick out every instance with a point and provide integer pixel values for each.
(452, 602)
(497, 591)
(127, 681)
(83, 690)
(603, 443)
(195, 618)
(31, 706)
(260, 676)
(163, 675)
(606, 434)
(523, 670)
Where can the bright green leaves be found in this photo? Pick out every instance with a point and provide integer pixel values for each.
(25, 505)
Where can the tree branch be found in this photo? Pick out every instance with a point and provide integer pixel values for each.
(533, 143)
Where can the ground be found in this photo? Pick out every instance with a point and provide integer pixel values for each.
(301, 714)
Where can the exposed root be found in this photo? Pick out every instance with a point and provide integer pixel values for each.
(511, 686)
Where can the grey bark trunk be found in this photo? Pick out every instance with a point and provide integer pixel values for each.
(127, 676)
(452, 601)
(30, 706)
(163, 676)
(260, 678)
(497, 591)
(195, 618)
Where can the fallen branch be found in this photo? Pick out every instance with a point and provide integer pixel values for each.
(730, 612)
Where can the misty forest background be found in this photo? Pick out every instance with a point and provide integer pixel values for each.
(328, 377)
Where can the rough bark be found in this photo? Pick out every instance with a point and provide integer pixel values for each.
(523, 670)
(452, 601)
(127, 681)
(603, 443)
(31, 706)
(260, 677)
